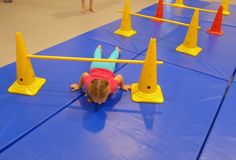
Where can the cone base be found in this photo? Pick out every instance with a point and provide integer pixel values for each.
(191, 51)
(178, 5)
(128, 33)
(215, 33)
(138, 96)
(227, 13)
(29, 90)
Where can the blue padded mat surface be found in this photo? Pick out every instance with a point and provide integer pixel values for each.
(145, 28)
(19, 114)
(217, 58)
(183, 12)
(229, 20)
(156, 29)
(105, 34)
(168, 10)
(212, 60)
(222, 143)
(122, 129)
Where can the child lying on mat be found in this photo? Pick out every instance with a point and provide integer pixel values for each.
(101, 82)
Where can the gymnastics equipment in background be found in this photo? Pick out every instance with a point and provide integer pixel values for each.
(190, 43)
(126, 23)
(28, 84)
(189, 46)
(159, 11)
(225, 4)
(180, 4)
(217, 23)
(147, 90)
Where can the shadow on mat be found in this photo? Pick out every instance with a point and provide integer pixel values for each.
(95, 117)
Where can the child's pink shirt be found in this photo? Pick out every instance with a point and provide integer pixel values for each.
(100, 73)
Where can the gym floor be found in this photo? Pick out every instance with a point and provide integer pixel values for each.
(46, 23)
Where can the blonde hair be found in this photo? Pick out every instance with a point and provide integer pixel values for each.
(99, 88)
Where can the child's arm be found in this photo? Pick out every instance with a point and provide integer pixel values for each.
(119, 78)
(77, 86)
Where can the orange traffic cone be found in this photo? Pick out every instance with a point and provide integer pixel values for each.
(159, 11)
(216, 25)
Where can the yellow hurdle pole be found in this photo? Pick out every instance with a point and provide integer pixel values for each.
(189, 7)
(161, 19)
(89, 59)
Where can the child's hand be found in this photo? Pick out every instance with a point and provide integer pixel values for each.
(126, 87)
(75, 86)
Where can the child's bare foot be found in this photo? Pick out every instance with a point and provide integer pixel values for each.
(117, 48)
(83, 10)
(74, 86)
(92, 10)
(100, 46)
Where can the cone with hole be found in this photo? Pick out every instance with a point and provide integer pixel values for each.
(190, 45)
(147, 90)
(159, 11)
(126, 23)
(216, 25)
(225, 4)
(179, 3)
(26, 83)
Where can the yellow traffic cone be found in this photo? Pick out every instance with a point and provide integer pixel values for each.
(26, 82)
(190, 42)
(126, 24)
(225, 4)
(179, 3)
(147, 89)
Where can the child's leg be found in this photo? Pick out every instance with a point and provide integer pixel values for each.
(114, 55)
(97, 54)
(110, 66)
(91, 6)
(83, 9)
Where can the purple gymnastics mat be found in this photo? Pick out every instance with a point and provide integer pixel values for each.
(20, 114)
(122, 129)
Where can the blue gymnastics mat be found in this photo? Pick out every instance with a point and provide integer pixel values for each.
(145, 28)
(204, 16)
(20, 114)
(217, 56)
(212, 60)
(228, 20)
(122, 129)
(221, 143)
(105, 34)
(168, 10)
